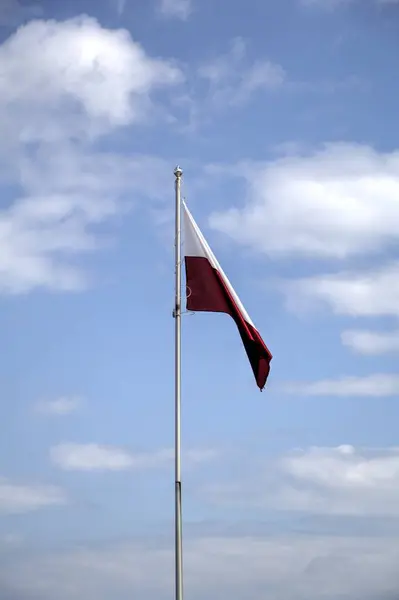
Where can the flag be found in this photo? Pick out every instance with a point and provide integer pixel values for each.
(209, 290)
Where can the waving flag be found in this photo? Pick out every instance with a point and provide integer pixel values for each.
(209, 290)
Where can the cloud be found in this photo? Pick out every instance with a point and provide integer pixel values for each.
(177, 9)
(232, 81)
(91, 457)
(63, 85)
(338, 202)
(343, 480)
(100, 75)
(18, 498)
(59, 406)
(12, 12)
(330, 4)
(96, 457)
(197, 456)
(120, 7)
(10, 541)
(338, 481)
(364, 293)
(67, 196)
(371, 343)
(239, 567)
(228, 81)
(376, 385)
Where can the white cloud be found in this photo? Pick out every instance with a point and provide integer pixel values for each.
(355, 293)
(96, 73)
(177, 9)
(372, 343)
(63, 84)
(338, 202)
(326, 3)
(67, 196)
(341, 480)
(90, 457)
(330, 4)
(232, 81)
(337, 481)
(238, 567)
(59, 406)
(196, 456)
(18, 498)
(96, 457)
(376, 385)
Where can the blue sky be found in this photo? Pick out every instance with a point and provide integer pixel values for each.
(282, 116)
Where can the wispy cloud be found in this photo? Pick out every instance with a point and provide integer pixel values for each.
(16, 498)
(341, 480)
(65, 84)
(97, 457)
(13, 12)
(62, 406)
(331, 4)
(227, 81)
(11, 541)
(376, 385)
(233, 80)
(240, 567)
(94, 457)
(176, 9)
(365, 293)
(350, 481)
(371, 343)
(120, 7)
(327, 4)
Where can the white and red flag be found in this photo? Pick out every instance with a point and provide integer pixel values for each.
(209, 290)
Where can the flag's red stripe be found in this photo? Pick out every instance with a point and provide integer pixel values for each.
(207, 292)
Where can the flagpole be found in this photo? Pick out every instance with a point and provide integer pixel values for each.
(177, 315)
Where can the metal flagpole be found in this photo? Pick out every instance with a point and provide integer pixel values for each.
(177, 315)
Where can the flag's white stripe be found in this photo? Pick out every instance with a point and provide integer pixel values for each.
(196, 245)
(194, 241)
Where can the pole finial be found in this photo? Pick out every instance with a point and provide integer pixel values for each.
(178, 172)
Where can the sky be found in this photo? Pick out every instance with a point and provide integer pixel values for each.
(282, 116)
